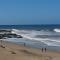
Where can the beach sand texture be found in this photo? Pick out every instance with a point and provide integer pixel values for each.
(10, 51)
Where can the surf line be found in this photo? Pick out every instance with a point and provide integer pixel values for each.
(45, 41)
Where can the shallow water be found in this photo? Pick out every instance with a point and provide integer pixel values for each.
(31, 44)
(50, 38)
(36, 35)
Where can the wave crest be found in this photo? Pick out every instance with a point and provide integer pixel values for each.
(30, 35)
(57, 30)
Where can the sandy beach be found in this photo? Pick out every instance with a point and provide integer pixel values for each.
(12, 51)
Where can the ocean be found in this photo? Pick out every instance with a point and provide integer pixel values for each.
(36, 35)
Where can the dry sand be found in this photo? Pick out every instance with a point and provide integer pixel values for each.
(19, 52)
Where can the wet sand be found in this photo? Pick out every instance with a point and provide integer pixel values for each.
(11, 51)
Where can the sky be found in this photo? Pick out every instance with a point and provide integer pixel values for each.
(14, 12)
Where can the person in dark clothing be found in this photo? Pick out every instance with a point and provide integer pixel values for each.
(45, 49)
(42, 49)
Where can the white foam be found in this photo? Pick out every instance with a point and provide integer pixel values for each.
(30, 34)
(57, 30)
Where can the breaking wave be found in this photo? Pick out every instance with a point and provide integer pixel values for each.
(57, 30)
(49, 38)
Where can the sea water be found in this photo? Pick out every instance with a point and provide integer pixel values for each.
(36, 35)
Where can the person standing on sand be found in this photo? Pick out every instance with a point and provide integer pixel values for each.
(42, 49)
(45, 49)
(1, 42)
(24, 44)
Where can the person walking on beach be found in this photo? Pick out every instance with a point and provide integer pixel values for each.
(42, 49)
(1, 42)
(45, 49)
(24, 44)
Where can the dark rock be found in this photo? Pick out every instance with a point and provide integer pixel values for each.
(19, 36)
(1, 36)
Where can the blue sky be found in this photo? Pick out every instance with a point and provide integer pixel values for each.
(29, 12)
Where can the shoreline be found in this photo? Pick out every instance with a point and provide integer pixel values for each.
(32, 45)
(12, 34)
(49, 48)
(14, 51)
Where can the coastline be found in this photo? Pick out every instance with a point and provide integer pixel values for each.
(32, 44)
(14, 51)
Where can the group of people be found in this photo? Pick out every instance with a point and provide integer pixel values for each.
(44, 49)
